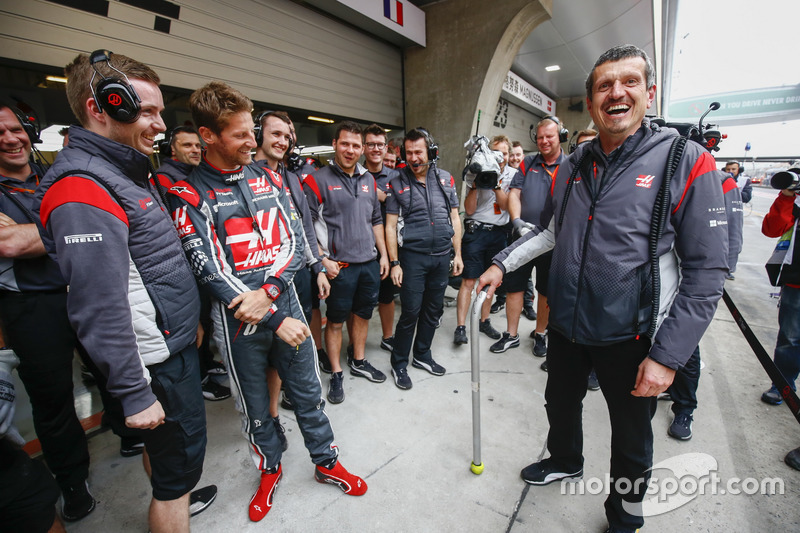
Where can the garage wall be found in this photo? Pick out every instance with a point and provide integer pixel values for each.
(512, 121)
(275, 51)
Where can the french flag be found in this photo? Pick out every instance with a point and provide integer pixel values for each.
(393, 9)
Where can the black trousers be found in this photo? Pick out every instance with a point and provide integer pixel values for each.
(36, 327)
(422, 300)
(616, 365)
(684, 387)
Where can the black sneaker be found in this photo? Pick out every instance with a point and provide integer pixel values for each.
(618, 530)
(432, 367)
(486, 328)
(216, 368)
(529, 313)
(281, 431)
(365, 370)
(213, 391)
(335, 389)
(497, 306)
(324, 362)
(545, 472)
(286, 403)
(772, 397)
(543, 366)
(540, 345)
(130, 446)
(681, 427)
(78, 502)
(505, 343)
(401, 378)
(200, 499)
(591, 382)
(388, 344)
(460, 336)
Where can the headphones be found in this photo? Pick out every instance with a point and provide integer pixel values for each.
(28, 121)
(165, 144)
(112, 95)
(433, 148)
(258, 129)
(563, 133)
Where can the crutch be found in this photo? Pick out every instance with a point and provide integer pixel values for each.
(474, 330)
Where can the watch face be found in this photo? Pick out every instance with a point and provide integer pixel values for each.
(273, 292)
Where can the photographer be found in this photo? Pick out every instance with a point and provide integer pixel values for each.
(781, 221)
(485, 236)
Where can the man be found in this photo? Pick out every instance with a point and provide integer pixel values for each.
(390, 159)
(603, 309)
(275, 134)
(122, 259)
(375, 153)
(181, 153)
(746, 188)
(683, 391)
(244, 240)
(585, 136)
(33, 312)
(422, 228)
(516, 155)
(347, 218)
(745, 184)
(485, 236)
(529, 193)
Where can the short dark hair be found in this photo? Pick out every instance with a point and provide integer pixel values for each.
(516, 144)
(213, 104)
(416, 134)
(733, 163)
(348, 125)
(79, 75)
(374, 129)
(180, 129)
(619, 53)
(497, 139)
(282, 115)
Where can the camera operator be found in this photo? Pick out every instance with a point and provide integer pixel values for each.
(485, 235)
(782, 221)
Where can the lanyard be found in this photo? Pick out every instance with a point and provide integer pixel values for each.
(551, 174)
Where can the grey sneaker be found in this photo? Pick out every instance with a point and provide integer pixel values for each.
(388, 343)
(505, 343)
(432, 367)
(363, 369)
(545, 472)
(485, 327)
(335, 389)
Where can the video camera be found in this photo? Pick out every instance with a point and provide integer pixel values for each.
(483, 165)
(707, 136)
(786, 180)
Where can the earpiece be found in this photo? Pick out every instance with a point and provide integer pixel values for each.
(114, 96)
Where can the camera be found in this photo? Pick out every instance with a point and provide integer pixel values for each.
(483, 165)
(788, 180)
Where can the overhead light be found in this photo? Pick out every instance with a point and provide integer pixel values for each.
(320, 119)
(58, 79)
(387, 130)
(552, 68)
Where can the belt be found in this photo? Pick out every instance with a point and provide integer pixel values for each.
(482, 225)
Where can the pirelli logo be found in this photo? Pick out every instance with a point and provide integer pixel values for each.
(85, 237)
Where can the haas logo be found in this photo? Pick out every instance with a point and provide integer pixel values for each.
(114, 99)
(260, 185)
(253, 247)
(645, 181)
(182, 222)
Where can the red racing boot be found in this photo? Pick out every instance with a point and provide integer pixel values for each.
(261, 503)
(350, 484)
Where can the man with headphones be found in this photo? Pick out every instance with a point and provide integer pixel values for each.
(422, 229)
(33, 315)
(527, 198)
(346, 211)
(118, 250)
(746, 188)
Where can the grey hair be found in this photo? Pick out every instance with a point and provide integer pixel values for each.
(618, 53)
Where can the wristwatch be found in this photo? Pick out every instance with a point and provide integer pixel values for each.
(395, 263)
(272, 291)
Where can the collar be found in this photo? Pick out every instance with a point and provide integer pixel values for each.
(131, 163)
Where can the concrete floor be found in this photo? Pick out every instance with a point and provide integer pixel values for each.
(414, 448)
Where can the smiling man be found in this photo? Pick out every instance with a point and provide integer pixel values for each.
(605, 308)
(132, 298)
